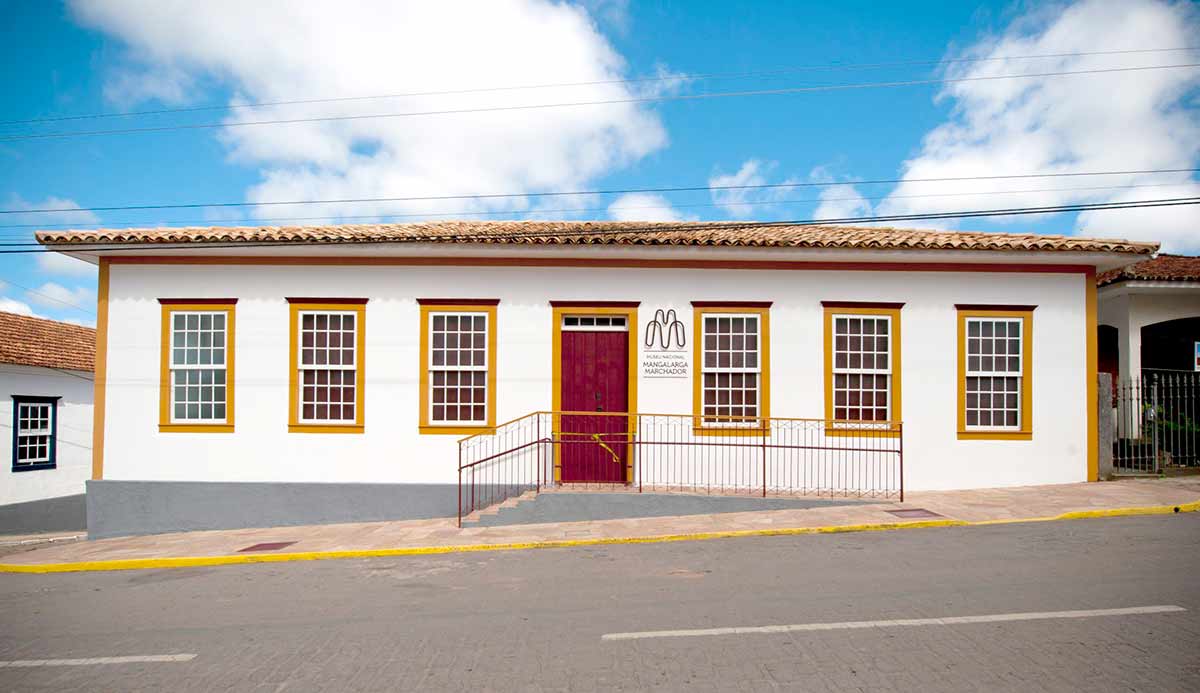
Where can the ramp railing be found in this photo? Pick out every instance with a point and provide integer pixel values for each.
(681, 453)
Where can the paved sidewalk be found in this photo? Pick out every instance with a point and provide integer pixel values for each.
(380, 538)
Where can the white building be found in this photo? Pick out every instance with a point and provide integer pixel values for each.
(46, 391)
(1149, 342)
(359, 356)
(1150, 317)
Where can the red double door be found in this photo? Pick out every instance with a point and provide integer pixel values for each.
(595, 378)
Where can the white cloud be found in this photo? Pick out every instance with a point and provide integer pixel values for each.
(54, 263)
(1102, 122)
(644, 207)
(12, 305)
(57, 296)
(81, 217)
(277, 50)
(1177, 227)
(746, 202)
(57, 263)
(9, 305)
(841, 201)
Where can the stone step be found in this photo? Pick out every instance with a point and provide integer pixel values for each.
(491, 510)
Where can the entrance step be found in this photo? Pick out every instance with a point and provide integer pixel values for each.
(473, 519)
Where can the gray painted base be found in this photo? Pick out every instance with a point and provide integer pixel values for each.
(63, 514)
(123, 508)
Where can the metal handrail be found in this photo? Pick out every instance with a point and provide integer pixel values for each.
(784, 455)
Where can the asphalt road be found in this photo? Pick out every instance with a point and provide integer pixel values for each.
(536, 620)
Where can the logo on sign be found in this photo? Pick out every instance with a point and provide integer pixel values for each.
(665, 330)
(666, 339)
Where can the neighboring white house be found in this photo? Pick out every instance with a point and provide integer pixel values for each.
(1149, 342)
(364, 353)
(1150, 317)
(46, 406)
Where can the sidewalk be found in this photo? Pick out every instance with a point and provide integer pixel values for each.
(949, 508)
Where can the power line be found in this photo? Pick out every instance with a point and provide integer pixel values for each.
(579, 210)
(656, 228)
(615, 191)
(1014, 211)
(634, 80)
(603, 102)
(48, 296)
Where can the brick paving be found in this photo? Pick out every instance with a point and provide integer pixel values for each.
(1029, 502)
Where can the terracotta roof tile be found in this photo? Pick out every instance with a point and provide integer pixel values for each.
(47, 343)
(1170, 268)
(605, 233)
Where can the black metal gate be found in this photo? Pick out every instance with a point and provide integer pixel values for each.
(1157, 422)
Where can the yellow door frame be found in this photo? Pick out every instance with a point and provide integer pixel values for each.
(560, 309)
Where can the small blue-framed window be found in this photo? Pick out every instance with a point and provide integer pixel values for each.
(35, 432)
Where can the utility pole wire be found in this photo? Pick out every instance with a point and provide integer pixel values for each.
(633, 80)
(618, 191)
(257, 221)
(657, 228)
(48, 296)
(640, 99)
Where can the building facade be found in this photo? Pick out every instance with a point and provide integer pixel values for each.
(1149, 343)
(1150, 317)
(265, 366)
(46, 389)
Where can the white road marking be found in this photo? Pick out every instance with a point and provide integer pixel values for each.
(897, 623)
(131, 659)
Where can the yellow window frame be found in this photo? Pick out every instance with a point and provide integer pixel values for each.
(895, 412)
(429, 306)
(763, 311)
(359, 308)
(1025, 314)
(167, 307)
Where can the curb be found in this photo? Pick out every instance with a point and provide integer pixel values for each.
(199, 561)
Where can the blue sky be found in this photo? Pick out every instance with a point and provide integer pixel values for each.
(106, 56)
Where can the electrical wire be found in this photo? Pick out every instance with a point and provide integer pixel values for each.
(604, 102)
(256, 221)
(616, 191)
(634, 80)
(35, 292)
(656, 228)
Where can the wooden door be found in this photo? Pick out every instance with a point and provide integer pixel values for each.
(595, 377)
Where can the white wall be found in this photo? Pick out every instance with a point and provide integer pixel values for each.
(391, 450)
(1130, 309)
(74, 456)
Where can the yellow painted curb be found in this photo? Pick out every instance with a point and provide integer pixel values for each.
(198, 561)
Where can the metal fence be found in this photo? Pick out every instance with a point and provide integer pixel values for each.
(1157, 422)
(681, 453)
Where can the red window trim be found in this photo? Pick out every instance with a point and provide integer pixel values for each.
(862, 304)
(335, 301)
(732, 304)
(198, 301)
(991, 306)
(458, 301)
(595, 304)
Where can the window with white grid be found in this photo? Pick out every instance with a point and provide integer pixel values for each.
(458, 367)
(731, 368)
(33, 433)
(199, 351)
(994, 372)
(862, 367)
(328, 366)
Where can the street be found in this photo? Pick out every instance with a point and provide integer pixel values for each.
(536, 620)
